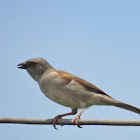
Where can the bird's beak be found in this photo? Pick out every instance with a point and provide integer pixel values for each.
(22, 65)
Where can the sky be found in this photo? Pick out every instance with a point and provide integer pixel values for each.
(98, 41)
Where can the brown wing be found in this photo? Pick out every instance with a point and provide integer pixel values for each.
(88, 86)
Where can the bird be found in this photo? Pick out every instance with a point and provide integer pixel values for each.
(68, 90)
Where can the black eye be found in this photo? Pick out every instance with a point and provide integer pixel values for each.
(32, 63)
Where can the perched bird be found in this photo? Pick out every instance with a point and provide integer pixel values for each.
(68, 90)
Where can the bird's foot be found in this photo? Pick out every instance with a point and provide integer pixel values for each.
(55, 119)
(76, 122)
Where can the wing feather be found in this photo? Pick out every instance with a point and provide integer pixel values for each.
(88, 86)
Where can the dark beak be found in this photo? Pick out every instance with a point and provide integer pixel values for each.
(22, 66)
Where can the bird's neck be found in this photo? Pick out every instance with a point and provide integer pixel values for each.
(38, 75)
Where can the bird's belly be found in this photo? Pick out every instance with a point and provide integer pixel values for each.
(71, 95)
(63, 97)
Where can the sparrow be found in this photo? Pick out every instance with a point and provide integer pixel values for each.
(68, 90)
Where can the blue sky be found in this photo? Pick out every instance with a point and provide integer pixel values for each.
(96, 40)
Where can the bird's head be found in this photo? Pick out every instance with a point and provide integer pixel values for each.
(36, 67)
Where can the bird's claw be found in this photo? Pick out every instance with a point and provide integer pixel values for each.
(76, 122)
(54, 120)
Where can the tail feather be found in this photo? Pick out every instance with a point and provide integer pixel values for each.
(127, 106)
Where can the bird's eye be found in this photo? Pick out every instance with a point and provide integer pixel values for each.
(32, 63)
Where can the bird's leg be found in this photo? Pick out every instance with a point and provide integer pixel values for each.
(76, 120)
(55, 119)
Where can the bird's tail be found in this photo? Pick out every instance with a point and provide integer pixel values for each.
(127, 106)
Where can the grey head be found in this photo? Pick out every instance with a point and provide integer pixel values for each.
(36, 67)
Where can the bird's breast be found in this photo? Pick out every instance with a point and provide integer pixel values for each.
(58, 91)
(67, 94)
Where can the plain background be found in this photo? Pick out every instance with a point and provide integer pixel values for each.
(96, 40)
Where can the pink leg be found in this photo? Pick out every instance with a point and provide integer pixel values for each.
(76, 120)
(55, 119)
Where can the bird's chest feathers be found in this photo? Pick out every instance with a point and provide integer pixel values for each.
(56, 89)
(51, 86)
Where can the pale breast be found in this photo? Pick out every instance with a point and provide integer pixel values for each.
(68, 94)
